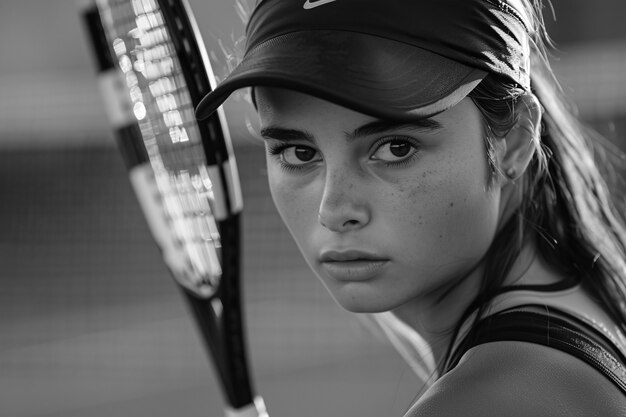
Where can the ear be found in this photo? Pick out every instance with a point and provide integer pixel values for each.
(517, 148)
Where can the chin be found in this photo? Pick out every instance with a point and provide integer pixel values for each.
(362, 309)
(362, 302)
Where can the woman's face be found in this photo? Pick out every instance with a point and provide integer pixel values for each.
(384, 213)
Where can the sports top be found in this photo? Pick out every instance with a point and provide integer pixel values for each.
(566, 320)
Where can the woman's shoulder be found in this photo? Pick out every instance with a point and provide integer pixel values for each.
(509, 379)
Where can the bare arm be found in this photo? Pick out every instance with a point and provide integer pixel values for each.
(511, 379)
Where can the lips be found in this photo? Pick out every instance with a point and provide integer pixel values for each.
(349, 255)
(352, 265)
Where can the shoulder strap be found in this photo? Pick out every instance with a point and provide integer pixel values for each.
(554, 329)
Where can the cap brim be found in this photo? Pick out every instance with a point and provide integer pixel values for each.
(376, 76)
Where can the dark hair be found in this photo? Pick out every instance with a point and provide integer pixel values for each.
(569, 206)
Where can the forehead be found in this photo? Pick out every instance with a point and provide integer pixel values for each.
(277, 106)
(274, 102)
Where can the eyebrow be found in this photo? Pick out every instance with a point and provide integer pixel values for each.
(375, 127)
(383, 126)
(285, 135)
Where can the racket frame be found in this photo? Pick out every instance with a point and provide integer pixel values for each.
(219, 316)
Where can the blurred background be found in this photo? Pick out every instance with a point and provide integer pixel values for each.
(91, 323)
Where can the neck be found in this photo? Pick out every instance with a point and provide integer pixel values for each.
(436, 316)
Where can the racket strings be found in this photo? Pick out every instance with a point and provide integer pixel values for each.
(186, 191)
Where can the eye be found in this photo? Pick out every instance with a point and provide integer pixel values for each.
(394, 150)
(293, 157)
(298, 155)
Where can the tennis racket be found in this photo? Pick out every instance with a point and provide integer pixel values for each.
(153, 70)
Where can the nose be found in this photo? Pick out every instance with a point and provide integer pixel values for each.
(344, 206)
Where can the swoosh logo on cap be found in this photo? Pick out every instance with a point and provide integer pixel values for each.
(313, 4)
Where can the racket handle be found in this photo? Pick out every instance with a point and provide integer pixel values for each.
(256, 409)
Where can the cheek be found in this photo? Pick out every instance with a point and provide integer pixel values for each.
(454, 214)
(282, 195)
(296, 205)
(472, 217)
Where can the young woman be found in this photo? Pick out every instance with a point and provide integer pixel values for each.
(426, 165)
